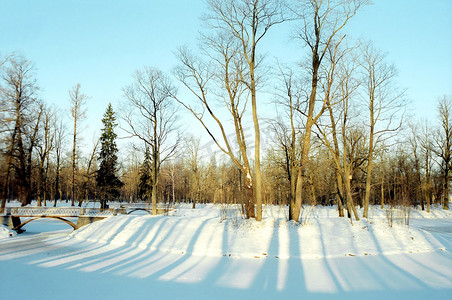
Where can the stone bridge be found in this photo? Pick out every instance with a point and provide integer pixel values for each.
(12, 216)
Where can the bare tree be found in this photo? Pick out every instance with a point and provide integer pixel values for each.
(89, 174)
(339, 88)
(22, 112)
(202, 81)
(322, 22)
(194, 164)
(415, 142)
(239, 27)
(443, 143)
(287, 128)
(78, 113)
(150, 116)
(131, 176)
(60, 133)
(45, 146)
(426, 146)
(384, 103)
(343, 93)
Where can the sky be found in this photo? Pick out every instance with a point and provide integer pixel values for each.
(99, 44)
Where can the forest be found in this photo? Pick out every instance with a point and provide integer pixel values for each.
(341, 132)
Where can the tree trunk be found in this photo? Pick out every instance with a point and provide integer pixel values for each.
(369, 158)
(446, 188)
(348, 190)
(74, 162)
(339, 194)
(368, 182)
(382, 193)
(8, 171)
(257, 160)
(154, 197)
(304, 154)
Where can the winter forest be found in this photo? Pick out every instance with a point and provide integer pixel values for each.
(275, 154)
(340, 132)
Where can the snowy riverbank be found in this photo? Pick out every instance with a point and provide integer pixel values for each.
(203, 232)
(210, 253)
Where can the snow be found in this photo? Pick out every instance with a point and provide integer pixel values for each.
(211, 252)
(6, 232)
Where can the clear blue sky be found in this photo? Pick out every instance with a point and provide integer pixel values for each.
(100, 43)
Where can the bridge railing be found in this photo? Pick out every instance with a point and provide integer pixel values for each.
(61, 212)
(136, 206)
(143, 205)
(97, 212)
(43, 211)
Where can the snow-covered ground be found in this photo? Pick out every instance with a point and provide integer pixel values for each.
(211, 253)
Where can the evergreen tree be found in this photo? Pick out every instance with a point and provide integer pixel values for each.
(107, 180)
(145, 185)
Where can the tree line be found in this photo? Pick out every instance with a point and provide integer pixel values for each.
(341, 132)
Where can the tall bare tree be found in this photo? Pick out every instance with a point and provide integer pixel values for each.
(339, 89)
(199, 77)
(22, 112)
(239, 27)
(287, 128)
(90, 173)
(78, 112)
(131, 176)
(60, 132)
(150, 116)
(322, 22)
(45, 146)
(384, 103)
(443, 141)
(426, 146)
(194, 164)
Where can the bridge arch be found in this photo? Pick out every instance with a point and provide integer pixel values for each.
(136, 209)
(18, 227)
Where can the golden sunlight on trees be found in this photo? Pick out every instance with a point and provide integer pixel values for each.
(237, 28)
(328, 128)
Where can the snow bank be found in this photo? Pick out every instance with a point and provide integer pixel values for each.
(220, 231)
(6, 232)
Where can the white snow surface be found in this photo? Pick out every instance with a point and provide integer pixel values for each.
(212, 253)
(6, 232)
(201, 232)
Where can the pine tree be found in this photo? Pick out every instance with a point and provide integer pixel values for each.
(145, 185)
(107, 180)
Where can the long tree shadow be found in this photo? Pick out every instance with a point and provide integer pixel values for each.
(92, 250)
(116, 254)
(272, 267)
(136, 250)
(109, 254)
(155, 269)
(386, 265)
(291, 269)
(195, 269)
(334, 283)
(20, 244)
(434, 267)
(142, 256)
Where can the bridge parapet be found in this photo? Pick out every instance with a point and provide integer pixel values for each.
(84, 215)
(61, 212)
(44, 211)
(136, 205)
(96, 212)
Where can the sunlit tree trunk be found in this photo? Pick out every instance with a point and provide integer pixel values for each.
(78, 112)
(321, 25)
